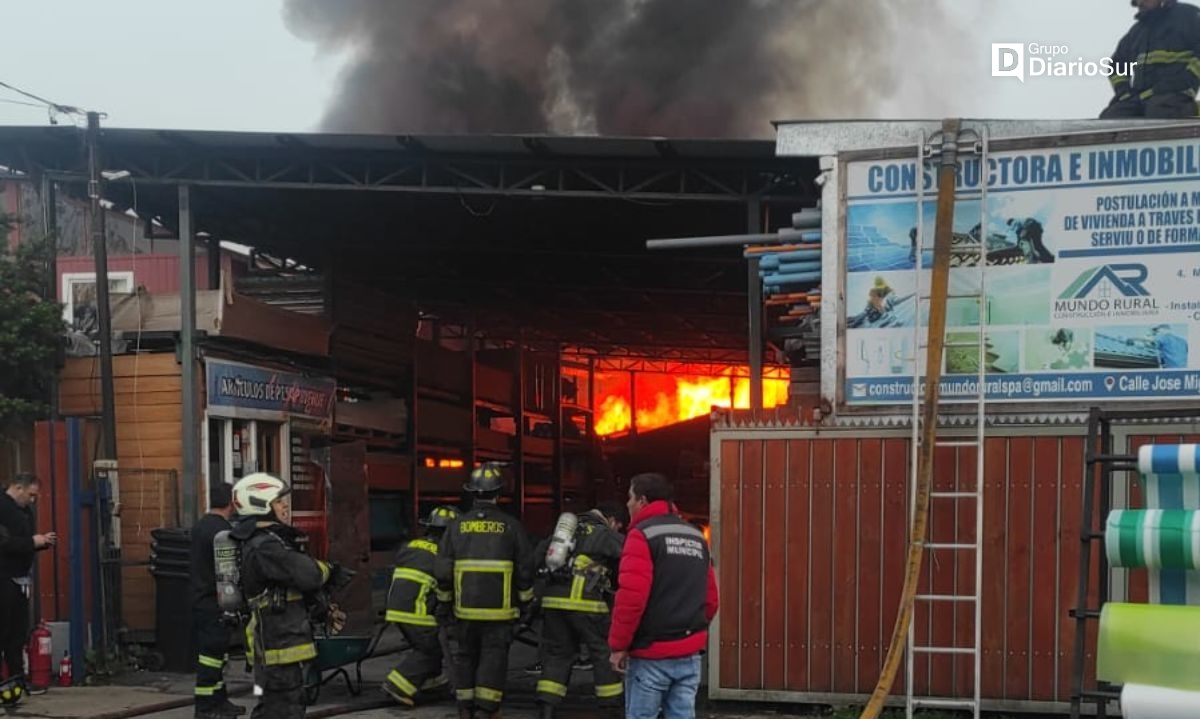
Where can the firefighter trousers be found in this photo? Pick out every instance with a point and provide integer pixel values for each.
(562, 633)
(421, 662)
(481, 663)
(1165, 106)
(283, 692)
(212, 646)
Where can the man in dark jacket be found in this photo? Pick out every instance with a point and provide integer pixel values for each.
(284, 589)
(16, 559)
(666, 599)
(484, 571)
(1158, 63)
(577, 612)
(210, 632)
(409, 600)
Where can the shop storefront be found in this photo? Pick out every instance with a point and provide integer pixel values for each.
(263, 419)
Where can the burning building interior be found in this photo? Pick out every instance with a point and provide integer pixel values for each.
(464, 298)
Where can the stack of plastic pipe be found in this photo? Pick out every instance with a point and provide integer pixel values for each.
(791, 273)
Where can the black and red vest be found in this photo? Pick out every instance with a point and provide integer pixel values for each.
(679, 590)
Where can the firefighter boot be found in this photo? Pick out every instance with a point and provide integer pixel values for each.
(229, 709)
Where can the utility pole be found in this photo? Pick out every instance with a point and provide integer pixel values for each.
(108, 447)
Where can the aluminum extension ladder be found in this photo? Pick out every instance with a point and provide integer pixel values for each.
(943, 606)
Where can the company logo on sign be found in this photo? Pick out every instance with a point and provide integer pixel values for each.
(1009, 60)
(1126, 279)
(1107, 291)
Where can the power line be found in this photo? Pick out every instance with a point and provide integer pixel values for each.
(20, 102)
(57, 107)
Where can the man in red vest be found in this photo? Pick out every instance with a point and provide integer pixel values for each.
(666, 598)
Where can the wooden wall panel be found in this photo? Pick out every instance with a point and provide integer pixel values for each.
(149, 407)
(813, 532)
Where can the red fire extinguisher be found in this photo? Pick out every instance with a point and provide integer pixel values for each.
(40, 657)
(64, 670)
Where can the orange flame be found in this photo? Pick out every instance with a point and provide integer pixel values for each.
(613, 417)
(667, 399)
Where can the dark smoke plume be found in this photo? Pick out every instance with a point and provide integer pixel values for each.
(699, 68)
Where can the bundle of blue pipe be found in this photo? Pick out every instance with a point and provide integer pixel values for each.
(791, 274)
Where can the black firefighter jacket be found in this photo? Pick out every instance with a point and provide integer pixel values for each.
(582, 587)
(484, 565)
(1165, 44)
(276, 577)
(412, 596)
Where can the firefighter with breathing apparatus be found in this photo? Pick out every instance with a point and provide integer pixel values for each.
(285, 591)
(210, 629)
(578, 561)
(410, 600)
(484, 583)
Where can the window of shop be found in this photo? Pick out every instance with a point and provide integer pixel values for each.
(266, 420)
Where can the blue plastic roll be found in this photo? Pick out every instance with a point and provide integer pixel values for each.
(792, 270)
(770, 263)
(797, 255)
(799, 266)
(793, 278)
(1169, 459)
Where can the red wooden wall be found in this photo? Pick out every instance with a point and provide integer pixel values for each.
(812, 538)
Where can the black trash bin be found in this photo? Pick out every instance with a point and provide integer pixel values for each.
(170, 567)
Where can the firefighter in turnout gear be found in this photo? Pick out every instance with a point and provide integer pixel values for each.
(285, 592)
(576, 611)
(485, 582)
(211, 633)
(1157, 63)
(409, 603)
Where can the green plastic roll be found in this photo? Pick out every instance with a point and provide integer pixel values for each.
(1156, 644)
(1154, 538)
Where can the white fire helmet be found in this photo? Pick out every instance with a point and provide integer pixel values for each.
(254, 493)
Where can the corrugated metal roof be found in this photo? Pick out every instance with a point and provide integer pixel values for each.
(799, 138)
(724, 420)
(494, 145)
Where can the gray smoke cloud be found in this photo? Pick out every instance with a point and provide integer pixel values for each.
(697, 68)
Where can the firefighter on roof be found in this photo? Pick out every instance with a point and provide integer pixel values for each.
(485, 581)
(575, 604)
(284, 590)
(409, 603)
(1165, 45)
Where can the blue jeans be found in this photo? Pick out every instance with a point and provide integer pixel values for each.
(667, 684)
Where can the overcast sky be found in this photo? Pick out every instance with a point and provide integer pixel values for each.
(233, 65)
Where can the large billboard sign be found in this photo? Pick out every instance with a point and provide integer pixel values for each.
(1092, 283)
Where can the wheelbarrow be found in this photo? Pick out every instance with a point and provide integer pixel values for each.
(334, 657)
(337, 653)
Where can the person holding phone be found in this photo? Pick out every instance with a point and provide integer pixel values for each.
(16, 560)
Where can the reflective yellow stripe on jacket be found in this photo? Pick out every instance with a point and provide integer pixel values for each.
(420, 616)
(263, 601)
(290, 655)
(575, 602)
(504, 568)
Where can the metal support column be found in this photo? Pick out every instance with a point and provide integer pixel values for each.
(472, 351)
(754, 293)
(632, 403)
(187, 336)
(108, 447)
(214, 263)
(556, 414)
(75, 539)
(591, 396)
(519, 460)
(414, 443)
